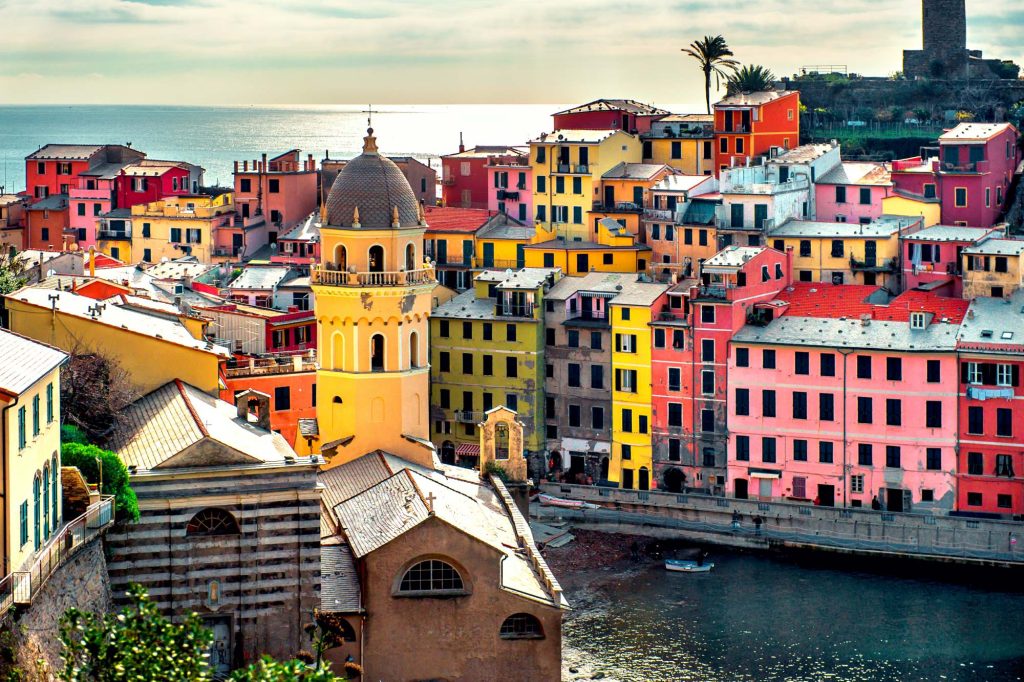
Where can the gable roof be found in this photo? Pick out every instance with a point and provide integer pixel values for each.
(24, 361)
(627, 105)
(76, 152)
(637, 171)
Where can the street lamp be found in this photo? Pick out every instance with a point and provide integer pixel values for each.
(99, 466)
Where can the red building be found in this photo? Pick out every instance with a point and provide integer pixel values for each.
(970, 175)
(289, 381)
(150, 180)
(990, 466)
(464, 175)
(54, 168)
(609, 114)
(748, 125)
(688, 362)
(46, 224)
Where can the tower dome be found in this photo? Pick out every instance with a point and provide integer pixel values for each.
(371, 191)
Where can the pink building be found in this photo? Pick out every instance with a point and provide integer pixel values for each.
(609, 114)
(692, 327)
(840, 398)
(93, 195)
(510, 188)
(852, 192)
(970, 175)
(464, 175)
(281, 190)
(931, 257)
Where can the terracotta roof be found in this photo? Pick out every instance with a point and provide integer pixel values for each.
(835, 301)
(454, 219)
(899, 308)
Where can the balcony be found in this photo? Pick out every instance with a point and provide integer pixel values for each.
(113, 234)
(497, 264)
(571, 169)
(872, 265)
(402, 278)
(468, 417)
(970, 167)
(718, 292)
(507, 195)
(514, 309)
(618, 207)
(448, 182)
(269, 366)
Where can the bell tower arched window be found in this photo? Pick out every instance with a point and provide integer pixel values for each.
(377, 353)
(341, 257)
(410, 257)
(376, 258)
(414, 350)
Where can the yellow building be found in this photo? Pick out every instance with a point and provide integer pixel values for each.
(614, 250)
(502, 243)
(567, 168)
(373, 297)
(929, 210)
(179, 225)
(626, 191)
(30, 395)
(845, 253)
(683, 141)
(151, 348)
(114, 235)
(631, 458)
(993, 267)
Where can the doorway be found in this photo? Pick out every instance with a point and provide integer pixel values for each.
(644, 482)
(674, 479)
(894, 500)
(577, 465)
(220, 646)
(376, 258)
(764, 488)
(627, 479)
(826, 495)
(609, 198)
(740, 489)
(488, 255)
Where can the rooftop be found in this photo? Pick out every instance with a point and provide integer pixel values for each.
(339, 580)
(883, 227)
(845, 332)
(687, 118)
(486, 151)
(636, 171)
(54, 202)
(733, 256)
(612, 283)
(455, 219)
(575, 136)
(627, 105)
(994, 324)
(803, 154)
(70, 152)
(152, 167)
(524, 278)
(504, 226)
(746, 99)
(857, 173)
(997, 247)
(837, 301)
(260, 277)
(571, 245)
(684, 183)
(176, 269)
(640, 293)
(24, 361)
(950, 233)
(974, 132)
(307, 229)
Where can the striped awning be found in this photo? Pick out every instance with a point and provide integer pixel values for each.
(467, 450)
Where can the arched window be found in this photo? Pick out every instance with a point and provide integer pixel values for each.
(338, 351)
(432, 577)
(55, 489)
(501, 440)
(414, 350)
(377, 353)
(35, 508)
(46, 500)
(410, 257)
(376, 258)
(341, 257)
(521, 626)
(212, 521)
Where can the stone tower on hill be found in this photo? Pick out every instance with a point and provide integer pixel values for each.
(944, 25)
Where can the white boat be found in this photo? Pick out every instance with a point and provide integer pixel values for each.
(684, 566)
(550, 501)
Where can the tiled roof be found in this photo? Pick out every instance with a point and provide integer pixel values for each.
(997, 247)
(994, 325)
(152, 167)
(372, 183)
(828, 300)
(455, 219)
(752, 98)
(974, 132)
(342, 482)
(339, 580)
(54, 202)
(24, 361)
(77, 152)
(636, 171)
(857, 173)
(503, 226)
(379, 514)
(176, 269)
(899, 309)
(640, 293)
(627, 105)
(486, 151)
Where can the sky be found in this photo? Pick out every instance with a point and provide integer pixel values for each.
(442, 51)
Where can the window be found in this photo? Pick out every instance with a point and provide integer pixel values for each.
(212, 521)
(445, 397)
(840, 195)
(799, 452)
(768, 359)
(1004, 421)
(837, 248)
(975, 463)
(24, 522)
(768, 403)
(743, 357)
(675, 415)
(865, 196)
(488, 362)
(573, 338)
(625, 343)
(826, 407)
(828, 365)
(803, 363)
(805, 248)
(625, 313)
(933, 414)
(627, 480)
(1004, 466)
(511, 367)
(894, 369)
(973, 373)
(22, 433)
(521, 626)
(444, 361)
(974, 499)
(274, 186)
(707, 314)
(893, 412)
(35, 415)
(510, 332)
(864, 410)
(574, 415)
(707, 421)
(467, 363)
(799, 405)
(442, 329)
(49, 402)
(467, 330)
(595, 340)
(625, 380)
(512, 401)
(768, 450)
(574, 375)
(892, 456)
(975, 420)
(707, 350)
(1004, 501)
(627, 421)
(864, 454)
(679, 339)
(282, 398)
(742, 448)
(597, 418)
(597, 376)
(960, 197)
(1004, 375)
(659, 338)
(673, 450)
(825, 452)
(432, 576)
(934, 373)
(933, 459)
(743, 402)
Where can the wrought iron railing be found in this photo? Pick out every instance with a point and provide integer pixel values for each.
(341, 278)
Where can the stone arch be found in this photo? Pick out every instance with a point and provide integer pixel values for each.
(375, 259)
(410, 256)
(378, 348)
(501, 441)
(673, 479)
(432, 575)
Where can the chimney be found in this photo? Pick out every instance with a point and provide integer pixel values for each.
(462, 147)
(263, 163)
(92, 261)
(250, 398)
(236, 167)
(310, 163)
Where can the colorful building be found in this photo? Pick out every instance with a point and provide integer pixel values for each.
(54, 168)
(680, 226)
(510, 188)
(372, 299)
(450, 242)
(690, 347)
(180, 225)
(300, 245)
(12, 221)
(148, 180)
(464, 180)
(846, 253)
(421, 176)
(755, 199)
(852, 192)
(841, 396)
(283, 190)
(30, 394)
(613, 249)
(806, 162)
(932, 257)
(970, 175)
(567, 169)
(624, 193)
(501, 243)
(929, 210)
(487, 350)
(609, 114)
(748, 125)
(684, 141)
(631, 464)
(990, 463)
(46, 224)
(993, 267)
(290, 382)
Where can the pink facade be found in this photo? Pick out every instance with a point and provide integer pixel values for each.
(931, 257)
(281, 190)
(819, 412)
(510, 190)
(87, 201)
(852, 193)
(690, 344)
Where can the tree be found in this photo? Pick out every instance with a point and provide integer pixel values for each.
(751, 78)
(269, 670)
(94, 393)
(11, 277)
(712, 53)
(138, 643)
(115, 475)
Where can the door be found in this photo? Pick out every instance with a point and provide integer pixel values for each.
(488, 255)
(826, 495)
(740, 488)
(582, 263)
(638, 196)
(520, 255)
(870, 253)
(764, 488)
(220, 647)
(894, 499)
(236, 244)
(644, 482)
(467, 252)
(627, 479)
(609, 198)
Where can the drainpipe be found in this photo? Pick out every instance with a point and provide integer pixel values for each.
(6, 482)
(845, 353)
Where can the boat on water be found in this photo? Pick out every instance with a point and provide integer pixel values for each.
(686, 566)
(551, 501)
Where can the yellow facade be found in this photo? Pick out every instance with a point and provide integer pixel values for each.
(930, 211)
(568, 183)
(29, 458)
(690, 155)
(614, 250)
(819, 256)
(508, 251)
(631, 455)
(178, 226)
(120, 249)
(983, 276)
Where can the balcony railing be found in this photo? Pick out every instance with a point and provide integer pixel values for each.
(514, 309)
(953, 269)
(571, 169)
(873, 264)
(716, 291)
(21, 587)
(468, 417)
(340, 278)
(618, 207)
(497, 263)
(113, 234)
(268, 366)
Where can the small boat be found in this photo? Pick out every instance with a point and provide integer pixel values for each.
(550, 501)
(684, 566)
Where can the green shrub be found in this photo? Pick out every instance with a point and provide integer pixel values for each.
(69, 433)
(115, 475)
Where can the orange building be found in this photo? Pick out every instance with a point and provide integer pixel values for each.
(625, 192)
(45, 222)
(291, 384)
(748, 124)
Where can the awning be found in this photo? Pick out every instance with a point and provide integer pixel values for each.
(762, 474)
(467, 450)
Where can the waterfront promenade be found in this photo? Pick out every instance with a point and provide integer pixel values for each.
(790, 525)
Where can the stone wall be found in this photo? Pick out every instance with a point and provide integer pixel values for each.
(82, 583)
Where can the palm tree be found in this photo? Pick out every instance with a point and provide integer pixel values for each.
(751, 78)
(712, 52)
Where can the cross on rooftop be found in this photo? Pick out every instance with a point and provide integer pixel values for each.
(369, 115)
(429, 499)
